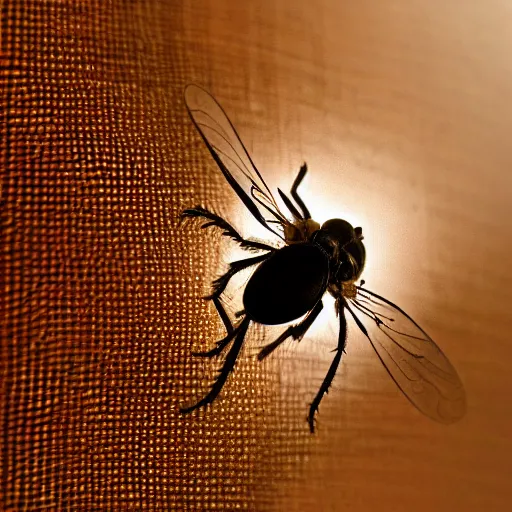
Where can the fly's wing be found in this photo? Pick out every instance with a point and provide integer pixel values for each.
(411, 357)
(231, 156)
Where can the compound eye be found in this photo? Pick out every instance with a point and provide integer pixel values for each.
(340, 230)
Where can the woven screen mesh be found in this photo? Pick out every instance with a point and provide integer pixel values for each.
(400, 111)
(101, 283)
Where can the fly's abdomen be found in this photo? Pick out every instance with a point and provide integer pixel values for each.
(287, 285)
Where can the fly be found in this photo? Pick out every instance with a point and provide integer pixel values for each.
(288, 283)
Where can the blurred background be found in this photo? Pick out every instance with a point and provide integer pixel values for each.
(403, 113)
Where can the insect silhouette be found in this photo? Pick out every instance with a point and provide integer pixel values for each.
(289, 282)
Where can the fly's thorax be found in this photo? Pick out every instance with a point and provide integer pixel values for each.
(300, 231)
(345, 248)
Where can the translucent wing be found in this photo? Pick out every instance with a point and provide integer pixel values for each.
(411, 357)
(231, 156)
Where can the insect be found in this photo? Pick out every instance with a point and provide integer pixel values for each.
(288, 283)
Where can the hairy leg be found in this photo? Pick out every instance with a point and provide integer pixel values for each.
(219, 285)
(226, 368)
(228, 229)
(231, 332)
(324, 388)
(295, 331)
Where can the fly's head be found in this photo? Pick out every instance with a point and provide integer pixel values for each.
(345, 248)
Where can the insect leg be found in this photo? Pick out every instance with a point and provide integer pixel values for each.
(296, 214)
(219, 285)
(228, 229)
(295, 331)
(223, 315)
(324, 388)
(226, 368)
(298, 180)
(231, 332)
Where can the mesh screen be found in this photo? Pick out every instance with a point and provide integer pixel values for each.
(102, 284)
(401, 113)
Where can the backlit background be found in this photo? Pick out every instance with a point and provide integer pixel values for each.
(403, 112)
